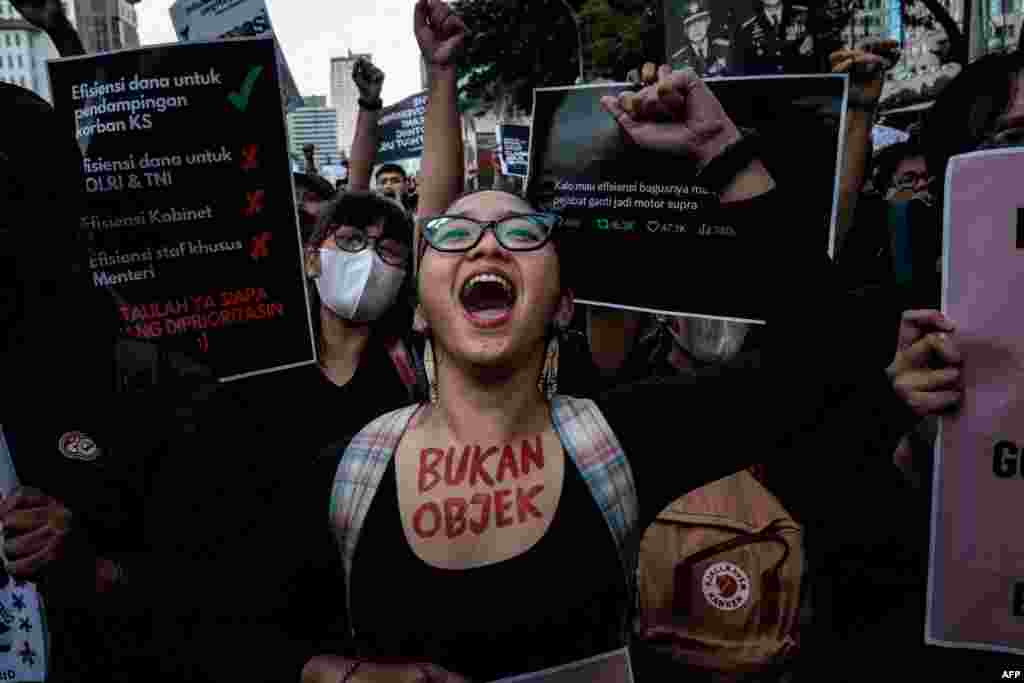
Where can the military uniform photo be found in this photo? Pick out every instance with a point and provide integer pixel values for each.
(776, 40)
(708, 56)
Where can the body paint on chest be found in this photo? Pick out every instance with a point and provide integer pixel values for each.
(496, 506)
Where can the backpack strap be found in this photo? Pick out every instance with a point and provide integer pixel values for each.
(359, 473)
(588, 439)
(584, 433)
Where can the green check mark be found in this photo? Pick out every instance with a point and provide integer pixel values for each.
(241, 98)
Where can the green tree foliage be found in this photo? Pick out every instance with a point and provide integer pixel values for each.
(622, 35)
(516, 46)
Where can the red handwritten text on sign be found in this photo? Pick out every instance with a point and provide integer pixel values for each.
(199, 313)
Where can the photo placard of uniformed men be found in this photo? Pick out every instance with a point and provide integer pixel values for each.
(776, 40)
(708, 56)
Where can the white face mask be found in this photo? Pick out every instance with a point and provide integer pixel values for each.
(357, 286)
(711, 341)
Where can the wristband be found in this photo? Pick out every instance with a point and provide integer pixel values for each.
(371, 105)
(716, 174)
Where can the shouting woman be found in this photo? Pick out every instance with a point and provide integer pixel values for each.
(491, 530)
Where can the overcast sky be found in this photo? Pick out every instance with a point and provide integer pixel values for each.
(313, 31)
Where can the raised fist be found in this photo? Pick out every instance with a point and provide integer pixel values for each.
(439, 31)
(44, 14)
(368, 79)
(867, 66)
(675, 113)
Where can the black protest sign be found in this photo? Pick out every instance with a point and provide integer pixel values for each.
(643, 216)
(400, 130)
(189, 202)
(514, 148)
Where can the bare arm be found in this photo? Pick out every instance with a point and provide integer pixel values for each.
(364, 150)
(49, 16)
(440, 34)
(443, 163)
(867, 67)
(369, 80)
(856, 157)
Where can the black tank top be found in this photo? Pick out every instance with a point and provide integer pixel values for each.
(532, 612)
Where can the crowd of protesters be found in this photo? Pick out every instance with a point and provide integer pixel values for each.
(272, 528)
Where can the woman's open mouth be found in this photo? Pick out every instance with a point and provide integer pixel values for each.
(488, 299)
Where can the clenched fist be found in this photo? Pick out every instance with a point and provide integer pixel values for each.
(368, 78)
(675, 113)
(867, 66)
(43, 14)
(439, 31)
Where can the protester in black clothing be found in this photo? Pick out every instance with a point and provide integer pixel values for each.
(263, 567)
(492, 293)
(70, 436)
(881, 598)
(902, 171)
(982, 108)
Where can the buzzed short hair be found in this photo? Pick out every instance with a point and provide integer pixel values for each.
(390, 168)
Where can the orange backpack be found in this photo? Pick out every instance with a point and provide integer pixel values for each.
(719, 579)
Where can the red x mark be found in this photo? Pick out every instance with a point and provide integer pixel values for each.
(249, 160)
(260, 246)
(255, 200)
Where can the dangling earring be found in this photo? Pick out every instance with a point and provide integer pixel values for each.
(431, 372)
(548, 382)
(419, 323)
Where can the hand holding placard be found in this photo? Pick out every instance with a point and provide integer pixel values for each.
(925, 372)
(678, 115)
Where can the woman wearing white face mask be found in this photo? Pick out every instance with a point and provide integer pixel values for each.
(266, 465)
(357, 260)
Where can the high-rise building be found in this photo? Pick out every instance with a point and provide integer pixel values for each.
(1007, 23)
(345, 97)
(106, 25)
(24, 50)
(314, 123)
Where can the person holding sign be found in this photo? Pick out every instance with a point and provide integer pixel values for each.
(357, 263)
(275, 438)
(369, 81)
(509, 513)
(67, 437)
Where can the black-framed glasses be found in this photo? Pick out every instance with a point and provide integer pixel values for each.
(391, 251)
(520, 232)
(911, 178)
